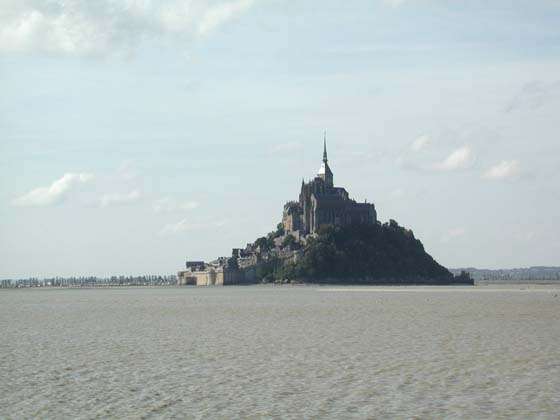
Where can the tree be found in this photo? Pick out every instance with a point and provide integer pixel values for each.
(290, 242)
(279, 230)
(265, 243)
(365, 253)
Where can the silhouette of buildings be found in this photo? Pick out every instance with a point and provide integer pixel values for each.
(321, 203)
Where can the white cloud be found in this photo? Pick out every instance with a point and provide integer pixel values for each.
(168, 205)
(108, 26)
(506, 169)
(393, 3)
(461, 158)
(117, 199)
(420, 143)
(179, 227)
(189, 205)
(221, 13)
(53, 194)
(183, 226)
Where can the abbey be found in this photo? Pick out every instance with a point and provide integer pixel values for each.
(321, 203)
(326, 237)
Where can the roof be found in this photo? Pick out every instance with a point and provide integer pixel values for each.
(324, 169)
(330, 201)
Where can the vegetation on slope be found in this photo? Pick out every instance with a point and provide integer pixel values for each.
(380, 253)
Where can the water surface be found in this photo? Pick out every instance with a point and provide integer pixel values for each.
(281, 352)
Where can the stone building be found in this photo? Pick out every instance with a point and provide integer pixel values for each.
(321, 203)
(212, 274)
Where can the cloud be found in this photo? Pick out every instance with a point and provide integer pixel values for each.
(53, 194)
(106, 27)
(420, 143)
(117, 199)
(424, 153)
(168, 205)
(189, 205)
(221, 13)
(411, 159)
(506, 169)
(393, 3)
(183, 226)
(461, 158)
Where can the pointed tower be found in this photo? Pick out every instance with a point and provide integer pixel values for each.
(324, 171)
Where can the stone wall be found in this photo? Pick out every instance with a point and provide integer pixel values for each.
(214, 277)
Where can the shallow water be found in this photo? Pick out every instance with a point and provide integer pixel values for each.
(281, 352)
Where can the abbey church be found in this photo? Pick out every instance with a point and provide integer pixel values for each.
(321, 203)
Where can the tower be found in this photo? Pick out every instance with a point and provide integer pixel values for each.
(325, 172)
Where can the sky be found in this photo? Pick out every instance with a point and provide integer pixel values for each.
(137, 134)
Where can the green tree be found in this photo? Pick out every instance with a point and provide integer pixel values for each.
(291, 242)
(279, 230)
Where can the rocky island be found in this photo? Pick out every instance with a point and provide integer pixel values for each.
(326, 237)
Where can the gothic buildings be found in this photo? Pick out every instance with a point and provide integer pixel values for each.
(321, 203)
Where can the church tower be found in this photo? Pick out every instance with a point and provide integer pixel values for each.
(321, 203)
(324, 171)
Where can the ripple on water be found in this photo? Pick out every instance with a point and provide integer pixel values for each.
(281, 352)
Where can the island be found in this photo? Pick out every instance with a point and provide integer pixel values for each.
(326, 237)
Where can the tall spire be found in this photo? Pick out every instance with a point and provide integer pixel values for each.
(325, 147)
(324, 171)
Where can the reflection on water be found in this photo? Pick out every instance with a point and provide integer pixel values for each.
(281, 352)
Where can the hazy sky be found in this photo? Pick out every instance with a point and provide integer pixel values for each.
(136, 134)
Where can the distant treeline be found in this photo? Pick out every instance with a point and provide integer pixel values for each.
(91, 281)
(529, 273)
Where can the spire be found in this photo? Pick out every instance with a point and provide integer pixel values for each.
(325, 147)
(324, 171)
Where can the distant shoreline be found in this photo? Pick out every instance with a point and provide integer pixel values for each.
(516, 281)
(541, 282)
